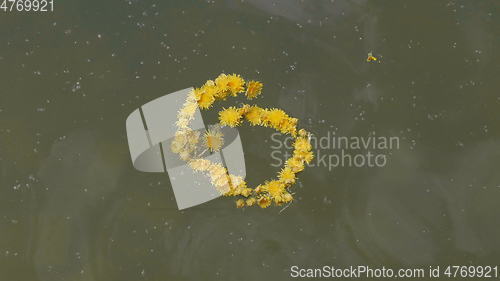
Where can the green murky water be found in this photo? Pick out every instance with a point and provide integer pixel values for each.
(72, 207)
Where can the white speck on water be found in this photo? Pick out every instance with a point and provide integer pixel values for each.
(76, 87)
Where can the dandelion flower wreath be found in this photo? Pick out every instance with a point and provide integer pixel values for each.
(186, 140)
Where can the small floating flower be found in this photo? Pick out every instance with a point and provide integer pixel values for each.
(232, 84)
(254, 115)
(240, 203)
(213, 139)
(287, 175)
(254, 89)
(205, 99)
(264, 202)
(230, 117)
(275, 117)
(370, 57)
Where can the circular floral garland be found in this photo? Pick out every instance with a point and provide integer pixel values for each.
(186, 140)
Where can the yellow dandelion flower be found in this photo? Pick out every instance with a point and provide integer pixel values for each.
(295, 164)
(213, 139)
(302, 144)
(200, 164)
(274, 117)
(230, 117)
(191, 97)
(221, 82)
(184, 115)
(289, 126)
(223, 189)
(192, 138)
(209, 83)
(206, 94)
(287, 197)
(287, 175)
(246, 192)
(232, 84)
(221, 88)
(244, 109)
(196, 93)
(237, 181)
(264, 202)
(235, 84)
(236, 191)
(220, 181)
(274, 188)
(189, 109)
(240, 203)
(206, 100)
(307, 156)
(254, 89)
(221, 94)
(185, 155)
(370, 57)
(220, 178)
(218, 175)
(278, 199)
(222, 186)
(302, 133)
(182, 123)
(211, 88)
(254, 115)
(177, 144)
(217, 171)
(250, 201)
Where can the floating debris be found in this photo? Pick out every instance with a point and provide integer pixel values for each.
(371, 58)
